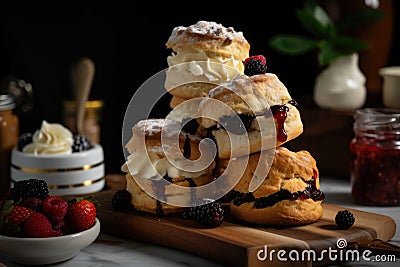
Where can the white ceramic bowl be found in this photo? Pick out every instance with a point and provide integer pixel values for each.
(48, 250)
(76, 173)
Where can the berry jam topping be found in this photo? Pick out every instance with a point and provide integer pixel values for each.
(280, 114)
(241, 198)
(230, 195)
(311, 192)
(190, 125)
(235, 125)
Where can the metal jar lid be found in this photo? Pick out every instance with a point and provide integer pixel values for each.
(6, 102)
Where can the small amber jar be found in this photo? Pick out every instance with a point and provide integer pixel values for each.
(91, 121)
(375, 157)
(9, 131)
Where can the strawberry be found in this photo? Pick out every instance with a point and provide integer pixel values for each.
(258, 57)
(37, 225)
(19, 214)
(12, 217)
(81, 214)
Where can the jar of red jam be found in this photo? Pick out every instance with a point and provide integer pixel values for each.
(375, 157)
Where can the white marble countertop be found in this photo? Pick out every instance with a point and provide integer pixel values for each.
(114, 251)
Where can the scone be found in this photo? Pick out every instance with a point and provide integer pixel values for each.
(157, 174)
(203, 55)
(284, 109)
(290, 194)
(237, 115)
(175, 101)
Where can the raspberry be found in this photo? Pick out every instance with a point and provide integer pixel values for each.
(81, 143)
(121, 199)
(344, 219)
(55, 208)
(23, 140)
(30, 188)
(210, 214)
(33, 203)
(258, 57)
(254, 66)
(37, 225)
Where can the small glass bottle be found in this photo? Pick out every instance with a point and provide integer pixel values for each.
(92, 118)
(9, 131)
(375, 157)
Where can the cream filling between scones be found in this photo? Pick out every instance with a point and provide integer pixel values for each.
(189, 65)
(152, 166)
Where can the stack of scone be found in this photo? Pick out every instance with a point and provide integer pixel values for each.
(155, 165)
(249, 115)
(287, 183)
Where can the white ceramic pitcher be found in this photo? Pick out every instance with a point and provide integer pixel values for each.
(341, 86)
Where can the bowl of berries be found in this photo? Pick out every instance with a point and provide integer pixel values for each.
(70, 164)
(37, 228)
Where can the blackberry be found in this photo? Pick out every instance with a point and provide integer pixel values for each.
(121, 200)
(254, 67)
(30, 188)
(81, 143)
(23, 140)
(344, 219)
(210, 214)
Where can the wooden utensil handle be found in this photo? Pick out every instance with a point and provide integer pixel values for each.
(82, 78)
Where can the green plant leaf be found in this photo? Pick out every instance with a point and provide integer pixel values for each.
(361, 17)
(348, 45)
(317, 11)
(312, 24)
(292, 44)
(309, 5)
(320, 14)
(328, 53)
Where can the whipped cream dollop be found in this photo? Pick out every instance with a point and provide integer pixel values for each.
(150, 165)
(189, 64)
(51, 138)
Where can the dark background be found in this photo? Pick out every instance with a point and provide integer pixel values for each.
(40, 42)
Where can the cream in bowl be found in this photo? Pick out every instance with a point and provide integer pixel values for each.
(69, 163)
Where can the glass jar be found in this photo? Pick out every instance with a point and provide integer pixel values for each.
(91, 121)
(9, 131)
(375, 157)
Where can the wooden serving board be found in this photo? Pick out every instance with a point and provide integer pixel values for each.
(233, 243)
